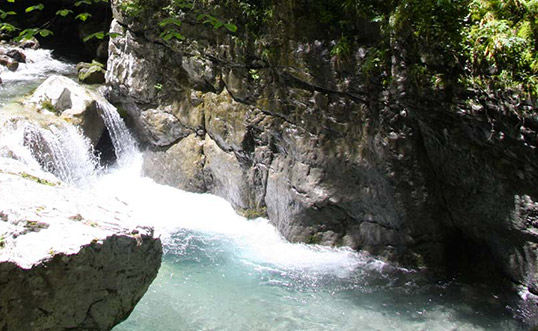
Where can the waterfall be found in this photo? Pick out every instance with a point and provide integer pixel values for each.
(63, 150)
(124, 143)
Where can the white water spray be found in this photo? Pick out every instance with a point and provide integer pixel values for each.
(63, 151)
(124, 144)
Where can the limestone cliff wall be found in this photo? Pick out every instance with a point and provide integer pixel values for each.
(277, 124)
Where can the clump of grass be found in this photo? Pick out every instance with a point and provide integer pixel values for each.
(47, 104)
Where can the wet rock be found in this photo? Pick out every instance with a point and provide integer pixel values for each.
(180, 166)
(72, 102)
(31, 43)
(9, 63)
(66, 265)
(16, 55)
(335, 158)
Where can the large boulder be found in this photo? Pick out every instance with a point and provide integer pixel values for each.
(74, 103)
(68, 259)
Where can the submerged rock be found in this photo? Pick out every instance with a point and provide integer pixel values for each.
(68, 259)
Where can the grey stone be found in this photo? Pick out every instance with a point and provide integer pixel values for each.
(16, 55)
(91, 73)
(72, 102)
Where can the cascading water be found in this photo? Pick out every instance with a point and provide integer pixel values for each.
(221, 271)
(124, 143)
(39, 65)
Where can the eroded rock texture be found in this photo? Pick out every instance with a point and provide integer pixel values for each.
(277, 124)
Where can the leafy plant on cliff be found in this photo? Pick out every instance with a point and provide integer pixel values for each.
(78, 9)
(170, 16)
(502, 43)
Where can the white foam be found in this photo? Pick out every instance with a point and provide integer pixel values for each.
(169, 209)
(39, 64)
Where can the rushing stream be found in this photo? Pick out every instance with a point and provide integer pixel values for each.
(223, 272)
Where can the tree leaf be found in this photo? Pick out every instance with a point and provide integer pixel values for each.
(231, 27)
(64, 12)
(45, 33)
(36, 7)
(170, 20)
(83, 16)
(82, 2)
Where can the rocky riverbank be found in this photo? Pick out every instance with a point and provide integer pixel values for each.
(69, 259)
(279, 125)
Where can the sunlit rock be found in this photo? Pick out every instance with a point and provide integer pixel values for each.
(72, 102)
(68, 259)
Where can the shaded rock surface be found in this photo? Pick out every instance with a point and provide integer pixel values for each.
(68, 260)
(333, 155)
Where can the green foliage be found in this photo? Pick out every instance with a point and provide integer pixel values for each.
(47, 105)
(83, 16)
(79, 8)
(32, 32)
(64, 12)
(215, 22)
(341, 48)
(502, 43)
(36, 7)
(4, 14)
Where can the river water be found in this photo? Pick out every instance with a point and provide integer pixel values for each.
(223, 272)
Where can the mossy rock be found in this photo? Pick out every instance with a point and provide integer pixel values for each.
(253, 213)
(91, 73)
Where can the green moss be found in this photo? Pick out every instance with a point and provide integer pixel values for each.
(2, 242)
(47, 105)
(253, 213)
(37, 179)
(314, 239)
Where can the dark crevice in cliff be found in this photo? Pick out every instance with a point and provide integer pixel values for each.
(294, 81)
(423, 149)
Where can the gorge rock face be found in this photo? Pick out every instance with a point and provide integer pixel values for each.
(278, 124)
(67, 258)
